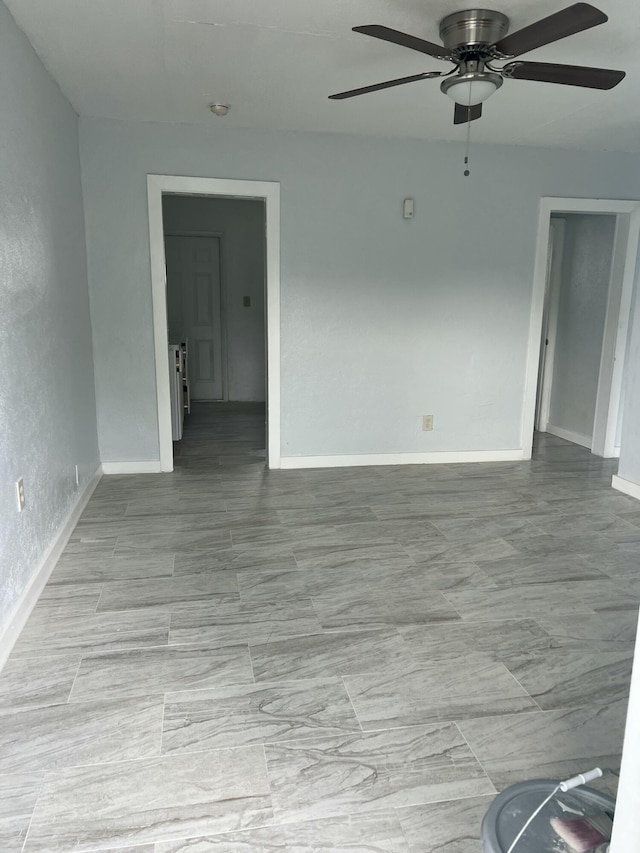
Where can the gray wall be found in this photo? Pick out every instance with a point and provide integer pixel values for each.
(47, 400)
(586, 269)
(383, 320)
(242, 228)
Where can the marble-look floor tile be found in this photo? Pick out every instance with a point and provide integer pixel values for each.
(173, 541)
(329, 556)
(100, 569)
(447, 551)
(383, 607)
(325, 515)
(95, 632)
(18, 795)
(142, 672)
(496, 640)
(452, 826)
(525, 569)
(256, 622)
(66, 599)
(351, 774)
(554, 546)
(545, 744)
(89, 733)
(150, 800)
(477, 530)
(330, 655)
(168, 505)
(255, 559)
(256, 713)
(533, 600)
(450, 689)
(36, 682)
(169, 592)
(264, 839)
(281, 585)
(568, 678)
(606, 631)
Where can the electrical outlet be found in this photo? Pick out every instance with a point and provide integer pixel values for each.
(77, 477)
(427, 423)
(20, 494)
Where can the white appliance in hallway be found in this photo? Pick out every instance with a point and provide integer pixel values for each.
(178, 387)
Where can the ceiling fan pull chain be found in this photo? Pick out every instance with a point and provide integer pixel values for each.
(466, 153)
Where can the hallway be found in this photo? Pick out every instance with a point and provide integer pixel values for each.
(227, 658)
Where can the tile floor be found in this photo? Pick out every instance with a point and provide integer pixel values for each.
(230, 660)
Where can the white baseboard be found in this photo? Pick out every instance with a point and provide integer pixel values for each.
(144, 466)
(626, 486)
(569, 435)
(40, 576)
(435, 457)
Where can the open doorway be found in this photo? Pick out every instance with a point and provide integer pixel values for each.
(581, 248)
(583, 281)
(216, 379)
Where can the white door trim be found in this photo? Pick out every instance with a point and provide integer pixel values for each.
(616, 327)
(552, 299)
(182, 185)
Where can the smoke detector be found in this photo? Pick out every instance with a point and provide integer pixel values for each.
(219, 109)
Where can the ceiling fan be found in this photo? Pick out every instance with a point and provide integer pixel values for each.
(475, 39)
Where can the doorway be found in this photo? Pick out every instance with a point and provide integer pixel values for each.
(619, 223)
(581, 248)
(268, 194)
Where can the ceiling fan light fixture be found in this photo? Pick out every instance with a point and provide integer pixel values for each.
(473, 88)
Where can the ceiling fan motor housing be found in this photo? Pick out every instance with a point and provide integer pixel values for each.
(465, 31)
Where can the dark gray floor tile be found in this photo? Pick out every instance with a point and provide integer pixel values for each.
(67, 599)
(173, 541)
(142, 672)
(460, 552)
(256, 713)
(352, 774)
(159, 799)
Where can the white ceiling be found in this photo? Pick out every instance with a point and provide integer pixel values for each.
(275, 62)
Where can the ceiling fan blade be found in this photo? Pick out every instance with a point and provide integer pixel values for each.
(573, 19)
(352, 93)
(461, 114)
(567, 75)
(404, 40)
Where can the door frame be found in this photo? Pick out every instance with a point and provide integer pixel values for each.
(175, 232)
(267, 191)
(550, 320)
(623, 271)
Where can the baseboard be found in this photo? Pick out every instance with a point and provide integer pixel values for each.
(144, 466)
(436, 457)
(27, 600)
(626, 486)
(569, 435)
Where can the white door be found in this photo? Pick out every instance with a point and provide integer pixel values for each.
(193, 308)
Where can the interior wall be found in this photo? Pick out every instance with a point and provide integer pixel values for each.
(241, 225)
(582, 307)
(47, 399)
(383, 319)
